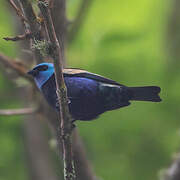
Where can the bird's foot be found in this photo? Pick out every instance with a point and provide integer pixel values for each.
(68, 131)
(57, 105)
(73, 126)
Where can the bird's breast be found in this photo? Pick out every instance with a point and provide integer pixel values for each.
(83, 93)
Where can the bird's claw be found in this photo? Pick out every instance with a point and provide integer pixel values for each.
(73, 126)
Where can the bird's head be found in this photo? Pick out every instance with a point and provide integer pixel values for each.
(41, 73)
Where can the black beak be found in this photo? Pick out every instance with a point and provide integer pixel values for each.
(33, 72)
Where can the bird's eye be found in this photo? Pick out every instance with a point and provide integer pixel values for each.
(42, 68)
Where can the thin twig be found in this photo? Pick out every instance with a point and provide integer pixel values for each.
(18, 67)
(64, 115)
(34, 26)
(18, 11)
(19, 37)
(23, 111)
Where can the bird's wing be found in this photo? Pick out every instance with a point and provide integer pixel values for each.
(72, 72)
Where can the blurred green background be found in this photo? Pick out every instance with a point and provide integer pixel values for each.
(127, 41)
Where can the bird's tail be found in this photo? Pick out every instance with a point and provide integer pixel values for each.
(146, 93)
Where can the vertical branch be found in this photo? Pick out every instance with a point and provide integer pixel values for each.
(83, 167)
(36, 142)
(60, 23)
(37, 149)
(34, 26)
(64, 116)
(30, 23)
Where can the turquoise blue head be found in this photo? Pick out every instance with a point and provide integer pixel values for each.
(41, 73)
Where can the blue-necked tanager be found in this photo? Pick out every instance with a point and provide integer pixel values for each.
(89, 94)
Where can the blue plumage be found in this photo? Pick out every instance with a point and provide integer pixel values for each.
(44, 75)
(90, 95)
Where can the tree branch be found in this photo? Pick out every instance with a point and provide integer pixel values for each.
(34, 26)
(58, 14)
(19, 37)
(23, 111)
(39, 160)
(18, 67)
(82, 165)
(18, 11)
(64, 115)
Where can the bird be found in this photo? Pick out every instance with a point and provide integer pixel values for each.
(89, 94)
